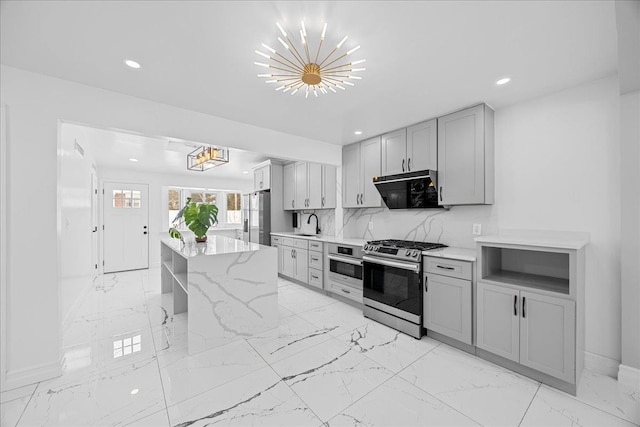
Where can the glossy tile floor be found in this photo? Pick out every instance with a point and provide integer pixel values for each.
(126, 364)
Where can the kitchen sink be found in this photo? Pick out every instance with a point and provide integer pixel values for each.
(307, 235)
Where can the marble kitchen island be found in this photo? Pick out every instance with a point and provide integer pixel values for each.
(228, 288)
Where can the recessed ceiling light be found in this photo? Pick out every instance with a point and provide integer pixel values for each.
(133, 160)
(131, 63)
(135, 391)
(358, 132)
(245, 171)
(503, 81)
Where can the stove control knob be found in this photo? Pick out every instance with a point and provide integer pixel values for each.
(415, 254)
(367, 247)
(407, 252)
(376, 249)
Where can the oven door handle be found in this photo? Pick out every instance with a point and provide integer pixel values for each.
(345, 260)
(397, 264)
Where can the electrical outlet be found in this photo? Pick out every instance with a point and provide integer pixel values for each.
(371, 225)
(477, 229)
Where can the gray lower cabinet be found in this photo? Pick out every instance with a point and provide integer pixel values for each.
(288, 261)
(301, 262)
(447, 307)
(448, 298)
(300, 259)
(534, 330)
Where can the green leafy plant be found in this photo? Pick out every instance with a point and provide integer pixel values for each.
(197, 217)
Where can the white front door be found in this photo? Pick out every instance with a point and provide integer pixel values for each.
(126, 226)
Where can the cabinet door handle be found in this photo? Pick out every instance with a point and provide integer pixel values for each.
(409, 165)
(402, 165)
(445, 268)
(524, 300)
(323, 202)
(515, 305)
(345, 291)
(441, 193)
(293, 203)
(426, 280)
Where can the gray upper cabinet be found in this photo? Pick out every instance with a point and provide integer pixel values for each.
(394, 152)
(314, 186)
(466, 157)
(301, 185)
(351, 176)
(289, 187)
(262, 178)
(360, 163)
(412, 149)
(328, 197)
(422, 146)
(369, 167)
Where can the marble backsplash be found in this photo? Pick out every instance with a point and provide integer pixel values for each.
(326, 221)
(452, 227)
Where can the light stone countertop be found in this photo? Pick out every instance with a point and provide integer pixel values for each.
(541, 238)
(215, 245)
(322, 238)
(461, 254)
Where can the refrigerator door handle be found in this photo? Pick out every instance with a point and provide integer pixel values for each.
(245, 228)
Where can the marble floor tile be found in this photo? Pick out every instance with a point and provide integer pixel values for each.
(398, 403)
(609, 395)
(113, 398)
(486, 393)
(185, 376)
(17, 393)
(339, 318)
(292, 336)
(388, 347)
(159, 419)
(330, 376)
(300, 300)
(11, 411)
(118, 351)
(257, 399)
(284, 312)
(555, 408)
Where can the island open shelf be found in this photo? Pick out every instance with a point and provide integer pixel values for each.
(228, 289)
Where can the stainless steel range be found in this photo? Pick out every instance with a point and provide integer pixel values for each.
(392, 283)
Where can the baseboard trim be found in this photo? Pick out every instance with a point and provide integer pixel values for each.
(629, 376)
(25, 376)
(601, 364)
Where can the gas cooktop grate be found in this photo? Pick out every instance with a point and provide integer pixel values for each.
(407, 244)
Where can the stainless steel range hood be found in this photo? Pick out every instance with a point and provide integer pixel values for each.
(411, 190)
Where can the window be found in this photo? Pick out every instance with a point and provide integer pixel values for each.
(123, 199)
(229, 204)
(234, 210)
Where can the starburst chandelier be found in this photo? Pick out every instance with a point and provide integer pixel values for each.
(295, 71)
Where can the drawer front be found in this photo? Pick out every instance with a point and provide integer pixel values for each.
(287, 241)
(276, 240)
(346, 291)
(315, 260)
(448, 267)
(301, 243)
(315, 278)
(315, 246)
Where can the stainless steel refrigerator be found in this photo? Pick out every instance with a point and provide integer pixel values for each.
(256, 217)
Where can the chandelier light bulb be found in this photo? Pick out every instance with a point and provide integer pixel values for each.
(304, 64)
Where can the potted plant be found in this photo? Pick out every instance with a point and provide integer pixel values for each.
(198, 217)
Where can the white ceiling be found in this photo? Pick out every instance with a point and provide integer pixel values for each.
(113, 149)
(424, 59)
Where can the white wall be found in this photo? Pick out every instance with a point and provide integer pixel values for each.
(630, 228)
(158, 197)
(557, 168)
(75, 191)
(35, 104)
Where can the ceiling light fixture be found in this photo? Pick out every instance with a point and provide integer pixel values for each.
(299, 68)
(133, 160)
(503, 81)
(131, 63)
(358, 132)
(207, 157)
(245, 172)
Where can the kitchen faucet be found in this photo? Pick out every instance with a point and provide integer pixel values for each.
(317, 225)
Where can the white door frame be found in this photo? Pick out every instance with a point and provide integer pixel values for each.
(4, 176)
(95, 221)
(101, 229)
